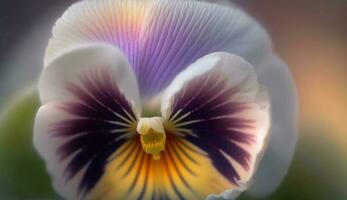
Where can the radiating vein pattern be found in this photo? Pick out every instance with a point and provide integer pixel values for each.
(176, 175)
(103, 152)
(207, 113)
(102, 121)
(159, 38)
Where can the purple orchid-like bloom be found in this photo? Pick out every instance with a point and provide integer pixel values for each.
(163, 99)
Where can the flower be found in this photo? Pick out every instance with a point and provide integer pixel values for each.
(159, 99)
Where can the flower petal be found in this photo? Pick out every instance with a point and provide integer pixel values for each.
(160, 38)
(115, 22)
(218, 106)
(284, 111)
(95, 59)
(90, 111)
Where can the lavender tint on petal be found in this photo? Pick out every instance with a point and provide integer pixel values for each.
(160, 38)
(102, 122)
(178, 37)
(213, 124)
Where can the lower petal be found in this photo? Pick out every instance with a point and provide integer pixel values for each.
(183, 172)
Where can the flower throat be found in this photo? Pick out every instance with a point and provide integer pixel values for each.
(153, 137)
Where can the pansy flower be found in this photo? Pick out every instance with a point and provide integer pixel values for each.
(158, 99)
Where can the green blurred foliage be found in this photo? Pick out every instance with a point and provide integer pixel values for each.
(22, 172)
(318, 170)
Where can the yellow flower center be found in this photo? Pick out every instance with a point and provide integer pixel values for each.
(153, 135)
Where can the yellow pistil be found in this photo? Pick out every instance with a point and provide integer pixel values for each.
(153, 135)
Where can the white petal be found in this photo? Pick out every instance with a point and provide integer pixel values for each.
(274, 74)
(68, 68)
(91, 102)
(234, 83)
(47, 146)
(227, 195)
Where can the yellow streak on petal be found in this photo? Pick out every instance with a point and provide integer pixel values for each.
(113, 22)
(160, 177)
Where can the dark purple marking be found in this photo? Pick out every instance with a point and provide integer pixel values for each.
(208, 100)
(89, 137)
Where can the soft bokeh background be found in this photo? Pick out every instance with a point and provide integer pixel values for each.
(310, 35)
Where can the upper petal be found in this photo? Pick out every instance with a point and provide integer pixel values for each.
(116, 22)
(218, 106)
(90, 59)
(160, 37)
(90, 110)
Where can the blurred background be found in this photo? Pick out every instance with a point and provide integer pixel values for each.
(310, 35)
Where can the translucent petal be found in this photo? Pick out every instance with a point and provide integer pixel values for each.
(274, 74)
